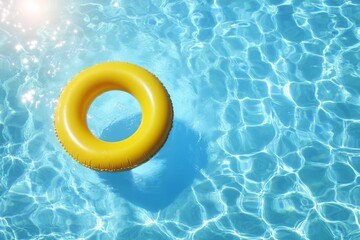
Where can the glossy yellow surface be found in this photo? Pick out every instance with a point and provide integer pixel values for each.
(76, 98)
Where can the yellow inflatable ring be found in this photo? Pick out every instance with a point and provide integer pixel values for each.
(70, 117)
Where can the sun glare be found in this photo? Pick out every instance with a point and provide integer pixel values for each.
(30, 7)
(27, 14)
(34, 11)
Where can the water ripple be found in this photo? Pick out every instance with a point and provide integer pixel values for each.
(271, 87)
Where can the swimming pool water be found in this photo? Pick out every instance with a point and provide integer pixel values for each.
(266, 137)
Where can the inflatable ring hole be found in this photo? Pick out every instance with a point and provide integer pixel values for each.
(113, 106)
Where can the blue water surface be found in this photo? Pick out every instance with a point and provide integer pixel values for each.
(266, 136)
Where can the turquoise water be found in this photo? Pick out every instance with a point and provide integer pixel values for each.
(266, 137)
